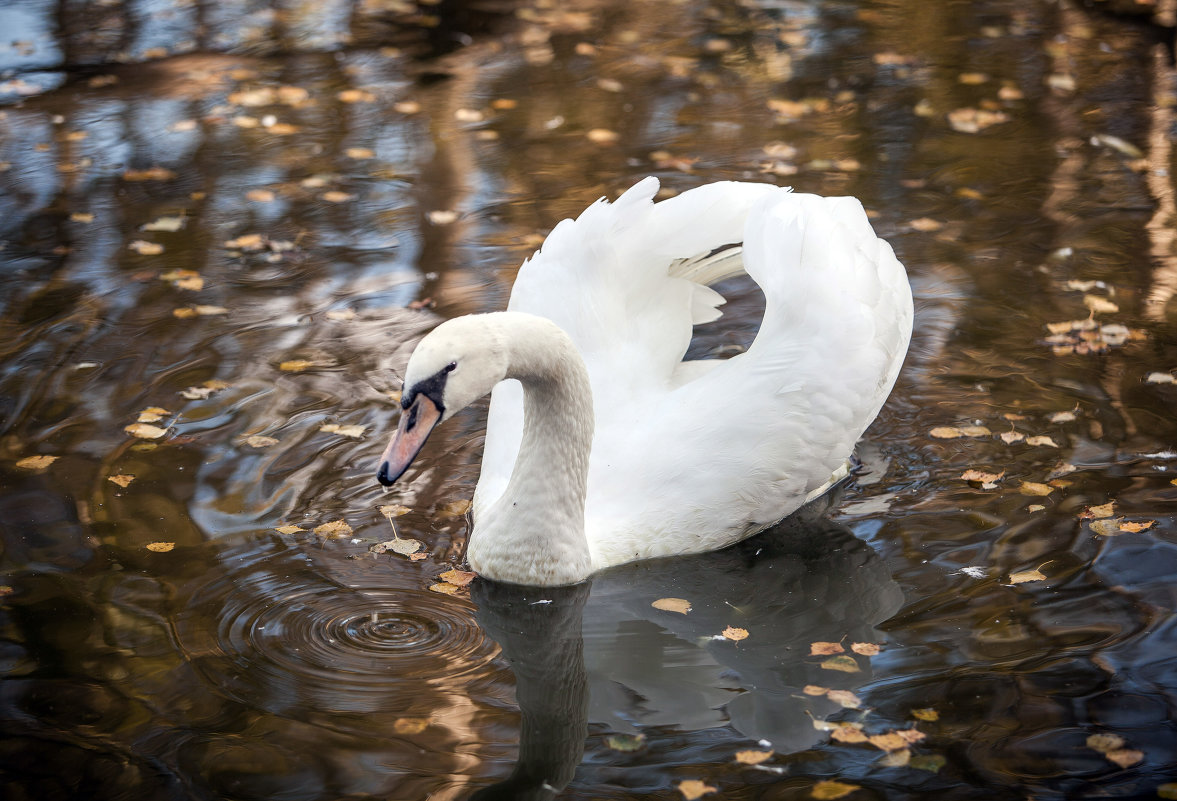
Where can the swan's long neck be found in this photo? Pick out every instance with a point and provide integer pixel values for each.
(534, 533)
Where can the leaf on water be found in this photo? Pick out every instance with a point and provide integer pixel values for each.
(404, 546)
(249, 242)
(845, 699)
(925, 714)
(1042, 440)
(81, 217)
(1010, 437)
(204, 391)
(843, 664)
(1033, 488)
(146, 248)
(828, 789)
(246, 121)
(1062, 417)
(814, 689)
(353, 431)
(145, 431)
(1161, 378)
(1125, 757)
(442, 216)
(170, 224)
(895, 759)
(888, 741)
(1023, 576)
(418, 556)
(865, 648)
(986, 480)
(459, 578)
(693, 788)
(39, 462)
(1106, 526)
(1095, 512)
(297, 365)
(336, 529)
(360, 153)
(1061, 469)
(753, 757)
(468, 115)
(953, 432)
(199, 311)
(849, 733)
(929, 762)
(335, 196)
(626, 743)
(160, 547)
(680, 605)
(290, 529)
(341, 314)
(260, 195)
(1035, 507)
(972, 78)
(410, 725)
(602, 136)
(392, 510)
(445, 589)
(825, 648)
(1167, 790)
(911, 736)
(1061, 82)
(973, 120)
(1105, 742)
(926, 224)
(355, 96)
(260, 441)
(407, 107)
(734, 634)
(150, 174)
(184, 279)
(292, 95)
(1099, 305)
(1137, 527)
(121, 479)
(455, 508)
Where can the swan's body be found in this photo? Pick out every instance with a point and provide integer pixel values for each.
(610, 447)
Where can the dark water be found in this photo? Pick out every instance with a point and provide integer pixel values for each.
(341, 176)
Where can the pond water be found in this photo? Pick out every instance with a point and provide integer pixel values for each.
(223, 227)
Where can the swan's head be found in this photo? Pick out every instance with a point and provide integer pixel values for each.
(456, 364)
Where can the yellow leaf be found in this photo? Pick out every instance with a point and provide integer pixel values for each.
(160, 547)
(693, 788)
(289, 529)
(1033, 488)
(150, 174)
(972, 78)
(926, 224)
(843, 664)
(986, 480)
(82, 217)
(169, 224)
(1125, 758)
(297, 365)
(153, 414)
(410, 725)
(735, 634)
(246, 242)
(626, 742)
(865, 648)
(407, 107)
(1167, 790)
(145, 431)
(927, 714)
(445, 589)
(359, 153)
(259, 195)
(752, 757)
(814, 689)
(827, 790)
(825, 648)
(356, 96)
(911, 736)
(1137, 527)
(123, 481)
(36, 462)
(679, 605)
(336, 529)
(1023, 576)
(953, 432)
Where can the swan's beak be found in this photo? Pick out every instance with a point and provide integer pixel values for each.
(416, 423)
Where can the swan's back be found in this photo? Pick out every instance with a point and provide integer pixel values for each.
(693, 456)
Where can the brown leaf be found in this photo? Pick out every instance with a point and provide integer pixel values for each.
(1010, 437)
(410, 725)
(844, 698)
(288, 529)
(1099, 304)
(895, 759)
(825, 648)
(160, 547)
(848, 733)
(888, 741)
(354, 431)
(954, 432)
(1095, 512)
(865, 648)
(735, 634)
(679, 605)
(394, 510)
(1137, 527)
(1042, 440)
(911, 736)
(297, 365)
(455, 508)
(445, 589)
(986, 480)
(336, 529)
(150, 174)
(146, 248)
(602, 136)
(693, 788)
(39, 462)
(459, 578)
(927, 714)
(1106, 526)
(1105, 742)
(926, 224)
(1033, 488)
(828, 790)
(753, 757)
(402, 545)
(1125, 757)
(145, 431)
(1023, 576)
(122, 480)
(813, 689)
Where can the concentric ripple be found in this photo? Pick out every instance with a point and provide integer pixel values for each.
(284, 634)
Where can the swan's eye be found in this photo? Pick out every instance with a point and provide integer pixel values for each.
(449, 368)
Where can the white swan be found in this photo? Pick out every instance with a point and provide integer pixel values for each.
(610, 447)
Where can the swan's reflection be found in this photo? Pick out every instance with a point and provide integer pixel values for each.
(601, 652)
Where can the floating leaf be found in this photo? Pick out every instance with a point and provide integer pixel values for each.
(865, 648)
(953, 432)
(735, 634)
(455, 508)
(290, 529)
(693, 788)
(828, 789)
(145, 431)
(442, 216)
(1136, 528)
(1033, 488)
(170, 224)
(360, 153)
(1167, 790)
(1105, 742)
(844, 698)
(926, 714)
(150, 174)
(354, 431)
(246, 242)
(1161, 378)
(122, 480)
(160, 547)
(410, 725)
(39, 462)
(199, 311)
(1125, 757)
(1099, 305)
(356, 96)
(297, 365)
(849, 733)
(444, 588)
(1062, 417)
(929, 762)
(336, 529)
(1095, 512)
(895, 759)
(394, 510)
(986, 480)
(402, 545)
(814, 689)
(1023, 576)
(260, 441)
(1106, 526)
(753, 757)
(335, 196)
(973, 120)
(146, 248)
(679, 605)
(926, 224)
(260, 195)
(888, 741)
(407, 107)
(626, 743)
(843, 663)
(1010, 437)
(1042, 440)
(911, 736)
(825, 648)
(459, 578)
(602, 136)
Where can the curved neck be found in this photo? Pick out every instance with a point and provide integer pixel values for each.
(534, 533)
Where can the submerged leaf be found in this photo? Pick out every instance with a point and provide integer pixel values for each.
(39, 462)
(843, 664)
(626, 742)
(828, 790)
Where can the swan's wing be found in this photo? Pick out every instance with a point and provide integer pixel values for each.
(626, 280)
(742, 444)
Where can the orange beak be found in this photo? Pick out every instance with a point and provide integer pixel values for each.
(416, 423)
